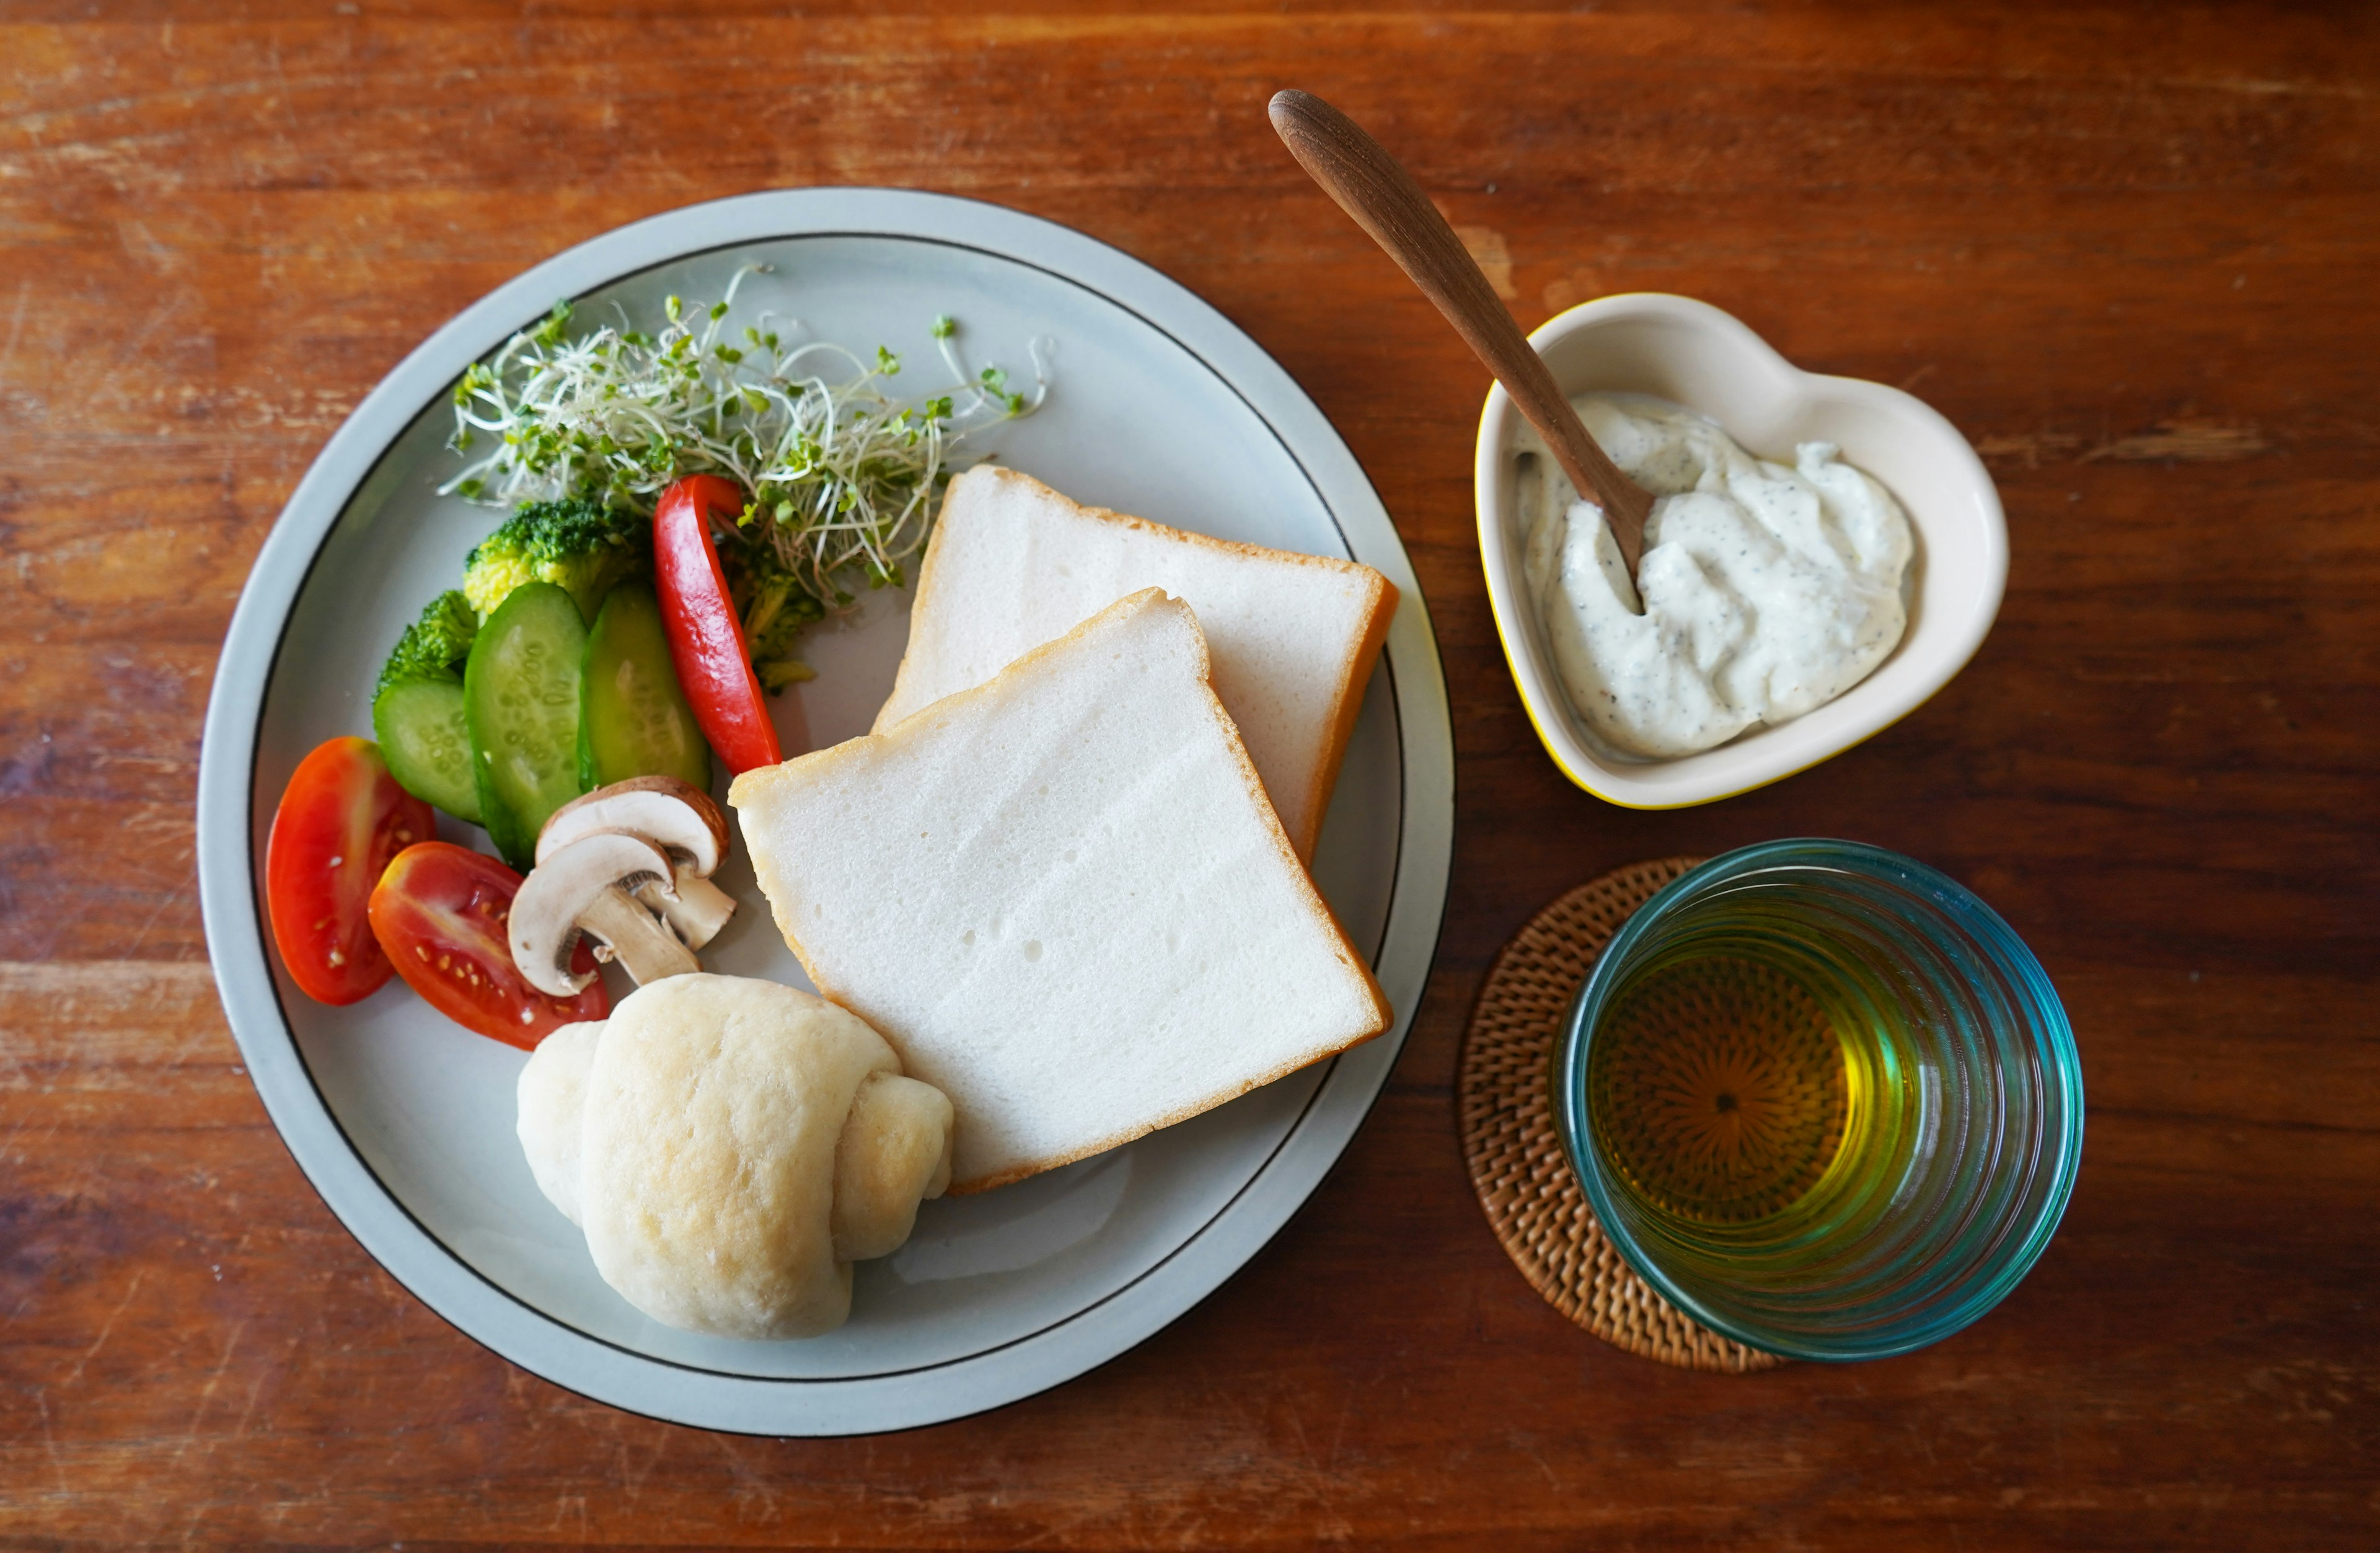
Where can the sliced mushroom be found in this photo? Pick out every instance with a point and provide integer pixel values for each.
(586, 888)
(681, 819)
(676, 815)
(696, 912)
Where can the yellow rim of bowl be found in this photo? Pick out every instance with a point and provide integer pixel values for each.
(1528, 705)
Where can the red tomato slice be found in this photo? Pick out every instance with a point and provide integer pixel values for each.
(440, 913)
(341, 819)
(705, 638)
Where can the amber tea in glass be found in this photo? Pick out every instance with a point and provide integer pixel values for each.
(1822, 1098)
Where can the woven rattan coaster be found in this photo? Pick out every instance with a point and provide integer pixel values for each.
(1517, 1166)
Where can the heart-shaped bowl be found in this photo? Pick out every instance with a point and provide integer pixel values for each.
(1693, 354)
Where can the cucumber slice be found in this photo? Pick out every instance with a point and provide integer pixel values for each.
(520, 702)
(633, 717)
(428, 746)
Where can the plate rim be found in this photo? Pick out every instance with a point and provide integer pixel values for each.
(543, 1344)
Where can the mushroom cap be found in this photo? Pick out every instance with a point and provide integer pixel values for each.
(676, 814)
(543, 926)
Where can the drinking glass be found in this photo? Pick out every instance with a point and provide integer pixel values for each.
(1823, 1098)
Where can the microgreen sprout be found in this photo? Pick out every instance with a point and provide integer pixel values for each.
(845, 478)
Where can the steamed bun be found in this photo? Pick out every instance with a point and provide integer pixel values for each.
(730, 1147)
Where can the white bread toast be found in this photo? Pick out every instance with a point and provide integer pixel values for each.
(1014, 564)
(1063, 898)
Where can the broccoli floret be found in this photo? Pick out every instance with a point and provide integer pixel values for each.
(774, 607)
(582, 546)
(433, 647)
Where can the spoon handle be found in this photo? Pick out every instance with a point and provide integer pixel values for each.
(1374, 187)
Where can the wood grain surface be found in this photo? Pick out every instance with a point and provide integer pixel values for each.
(2130, 251)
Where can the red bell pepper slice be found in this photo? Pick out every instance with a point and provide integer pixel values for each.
(706, 639)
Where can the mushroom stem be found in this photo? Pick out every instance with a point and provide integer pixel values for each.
(646, 949)
(700, 909)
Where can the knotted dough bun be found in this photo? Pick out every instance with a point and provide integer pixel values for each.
(730, 1147)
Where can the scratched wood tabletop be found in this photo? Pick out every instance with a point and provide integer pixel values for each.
(2130, 253)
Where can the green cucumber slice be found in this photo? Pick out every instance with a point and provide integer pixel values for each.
(633, 719)
(424, 739)
(520, 701)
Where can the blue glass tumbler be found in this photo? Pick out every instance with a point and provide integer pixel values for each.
(1823, 1098)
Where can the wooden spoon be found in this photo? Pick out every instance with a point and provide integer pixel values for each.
(1374, 187)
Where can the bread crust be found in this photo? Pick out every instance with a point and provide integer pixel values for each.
(875, 745)
(1348, 705)
(1355, 667)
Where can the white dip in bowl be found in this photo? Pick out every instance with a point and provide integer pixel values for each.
(1766, 589)
(1688, 353)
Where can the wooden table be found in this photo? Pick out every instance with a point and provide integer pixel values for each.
(2130, 253)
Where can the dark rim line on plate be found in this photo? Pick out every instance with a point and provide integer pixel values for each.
(1351, 476)
(1186, 1241)
(339, 509)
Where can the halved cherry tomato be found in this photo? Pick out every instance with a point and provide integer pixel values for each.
(341, 819)
(706, 639)
(440, 913)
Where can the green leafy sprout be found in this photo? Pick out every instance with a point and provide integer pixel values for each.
(845, 478)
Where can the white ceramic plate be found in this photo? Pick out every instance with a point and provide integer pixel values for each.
(404, 1121)
(1691, 353)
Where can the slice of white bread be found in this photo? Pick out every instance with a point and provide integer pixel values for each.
(1013, 563)
(1063, 897)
